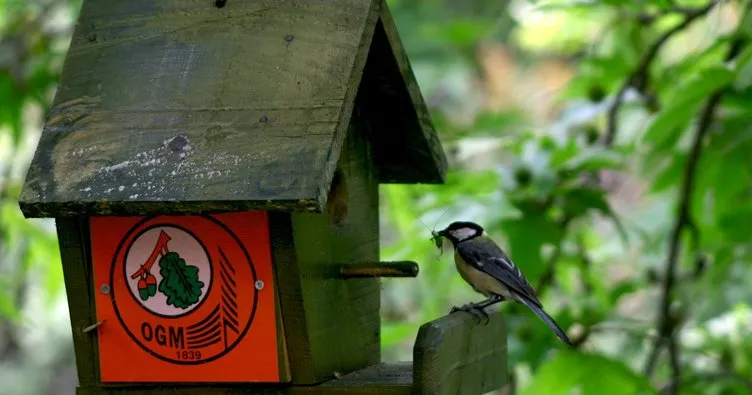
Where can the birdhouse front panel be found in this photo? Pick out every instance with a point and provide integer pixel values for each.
(185, 298)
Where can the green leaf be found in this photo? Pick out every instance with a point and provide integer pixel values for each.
(668, 126)
(396, 332)
(581, 199)
(735, 224)
(743, 69)
(179, 281)
(11, 108)
(745, 25)
(586, 374)
(526, 236)
(671, 171)
(595, 160)
(565, 153)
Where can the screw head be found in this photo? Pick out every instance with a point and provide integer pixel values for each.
(259, 285)
(105, 289)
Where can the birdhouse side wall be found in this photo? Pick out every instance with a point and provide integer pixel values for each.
(332, 325)
(75, 253)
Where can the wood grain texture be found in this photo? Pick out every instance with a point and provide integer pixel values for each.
(75, 250)
(455, 355)
(379, 379)
(336, 322)
(178, 106)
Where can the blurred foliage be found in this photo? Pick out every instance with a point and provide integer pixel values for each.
(589, 221)
(524, 95)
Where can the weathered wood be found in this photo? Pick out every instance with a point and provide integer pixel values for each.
(379, 379)
(284, 358)
(379, 269)
(308, 251)
(287, 271)
(179, 106)
(73, 238)
(394, 108)
(456, 355)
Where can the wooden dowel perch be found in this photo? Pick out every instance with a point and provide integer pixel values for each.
(380, 269)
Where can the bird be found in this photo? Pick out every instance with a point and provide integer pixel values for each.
(490, 271)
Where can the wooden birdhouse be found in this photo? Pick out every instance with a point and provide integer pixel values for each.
(213, 169)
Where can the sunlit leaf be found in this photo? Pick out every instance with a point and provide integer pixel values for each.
(395, 332)
(666, 128)
(743, 68)
(571, 372)
(745, 24)
(595, 160)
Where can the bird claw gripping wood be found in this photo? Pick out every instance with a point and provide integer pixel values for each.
(473, 309)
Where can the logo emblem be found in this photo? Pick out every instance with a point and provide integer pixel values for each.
(177, 288)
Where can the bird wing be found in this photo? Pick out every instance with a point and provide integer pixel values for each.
(483, 254)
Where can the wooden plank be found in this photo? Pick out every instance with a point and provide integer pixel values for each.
(309, 249)
(379, 379)
(173, 101)
(284, 358)
(287, 272)
(456, 355)
(408, 149)
(73, 237)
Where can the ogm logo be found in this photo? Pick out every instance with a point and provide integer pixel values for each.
(184, 289)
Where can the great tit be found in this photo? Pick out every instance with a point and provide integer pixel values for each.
(490, 272)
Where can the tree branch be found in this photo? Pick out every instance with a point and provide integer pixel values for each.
(640, 73)
(664, 322)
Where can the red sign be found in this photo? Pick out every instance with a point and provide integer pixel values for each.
(185, 298)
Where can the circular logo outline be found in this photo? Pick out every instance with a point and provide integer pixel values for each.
(255, 291)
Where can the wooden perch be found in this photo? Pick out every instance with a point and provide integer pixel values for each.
(380, 269)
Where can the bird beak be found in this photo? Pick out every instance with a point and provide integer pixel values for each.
(442, 233)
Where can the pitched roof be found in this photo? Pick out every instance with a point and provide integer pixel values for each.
(177, 106)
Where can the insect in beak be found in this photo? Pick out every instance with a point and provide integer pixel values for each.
(437, 240)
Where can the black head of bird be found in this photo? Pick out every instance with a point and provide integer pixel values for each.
(460, 231)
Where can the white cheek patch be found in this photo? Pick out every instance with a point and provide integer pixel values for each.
(463, 233)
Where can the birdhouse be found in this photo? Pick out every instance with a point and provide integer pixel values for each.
(213, 169)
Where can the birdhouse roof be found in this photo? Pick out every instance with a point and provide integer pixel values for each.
(184, 107)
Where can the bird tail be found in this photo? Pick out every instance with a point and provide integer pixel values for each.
(547, 319)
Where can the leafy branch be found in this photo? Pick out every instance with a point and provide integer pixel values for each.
(640, 74)
(665, 323)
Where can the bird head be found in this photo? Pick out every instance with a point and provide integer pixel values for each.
(460, 231)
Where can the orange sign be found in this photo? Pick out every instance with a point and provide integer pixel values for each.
(185, 298)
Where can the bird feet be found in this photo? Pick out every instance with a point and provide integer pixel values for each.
(475, 310)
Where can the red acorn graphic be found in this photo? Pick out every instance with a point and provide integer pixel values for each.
(147, 284)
